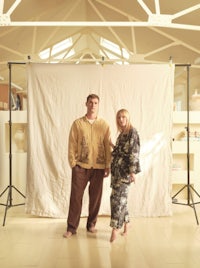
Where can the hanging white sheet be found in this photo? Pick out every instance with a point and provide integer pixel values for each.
(56, 97)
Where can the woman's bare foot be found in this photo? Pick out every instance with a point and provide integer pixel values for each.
(125, 232)
(67, 234)
(113, 235)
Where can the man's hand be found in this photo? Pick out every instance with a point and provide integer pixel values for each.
(106, 172)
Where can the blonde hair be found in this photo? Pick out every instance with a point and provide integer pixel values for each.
(125, 113)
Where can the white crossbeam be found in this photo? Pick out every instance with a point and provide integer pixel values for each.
(153, 23)
(1, 6)
(154, 20)
(13, 7)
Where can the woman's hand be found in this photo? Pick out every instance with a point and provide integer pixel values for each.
(111, 144)
(132, 177)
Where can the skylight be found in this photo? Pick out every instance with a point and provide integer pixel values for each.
(64, 50)
(63, 45)
(45, 54)
(112, 47)
(58, 50)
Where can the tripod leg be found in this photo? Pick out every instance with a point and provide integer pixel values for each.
(179, 191)
(7, 206)
(19, 192)
(193, 205)
(4, 191)
(195, 191)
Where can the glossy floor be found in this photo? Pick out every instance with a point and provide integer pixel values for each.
(164, 242)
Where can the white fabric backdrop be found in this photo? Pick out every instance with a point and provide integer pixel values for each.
(56, 97)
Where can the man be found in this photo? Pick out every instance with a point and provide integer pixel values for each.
(89, 157)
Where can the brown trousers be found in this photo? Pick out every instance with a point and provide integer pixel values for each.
(80, 179)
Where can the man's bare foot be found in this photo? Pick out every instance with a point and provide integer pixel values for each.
(113, 235)
(92, 230)
(67, 234)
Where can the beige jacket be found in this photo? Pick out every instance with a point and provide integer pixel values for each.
(89, 145)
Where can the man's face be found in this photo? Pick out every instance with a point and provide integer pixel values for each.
(92, 105)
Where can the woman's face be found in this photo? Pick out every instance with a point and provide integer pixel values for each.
(122, 120)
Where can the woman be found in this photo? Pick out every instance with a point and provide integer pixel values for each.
(125, 164)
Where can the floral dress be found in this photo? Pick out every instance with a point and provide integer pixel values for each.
(125, 160)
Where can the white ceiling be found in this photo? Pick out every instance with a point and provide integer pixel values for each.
(152, 31)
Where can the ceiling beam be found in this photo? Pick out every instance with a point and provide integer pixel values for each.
(13, 7)
(157, 5)
(110, 28)
(1, 7)
(145, 7)
(185, 11)
(154, 20)
(153, 23)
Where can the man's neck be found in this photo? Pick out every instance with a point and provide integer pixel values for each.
(91, 116)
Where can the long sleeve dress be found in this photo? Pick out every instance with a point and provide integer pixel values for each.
(125, 160)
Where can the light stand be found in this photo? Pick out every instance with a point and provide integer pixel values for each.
(188, 186)
(10, 187)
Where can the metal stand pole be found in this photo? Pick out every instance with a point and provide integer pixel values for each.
(188, 186)
(10, 187)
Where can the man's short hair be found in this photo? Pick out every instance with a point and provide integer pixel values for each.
(92, 96)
